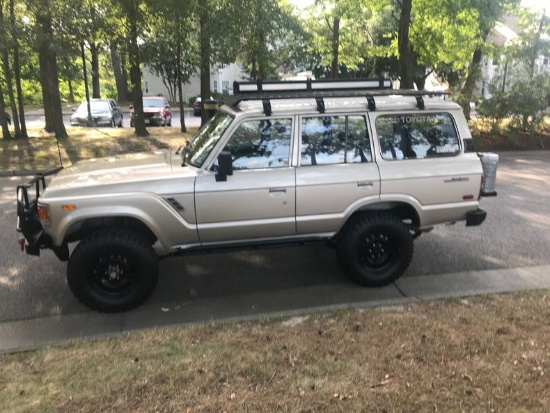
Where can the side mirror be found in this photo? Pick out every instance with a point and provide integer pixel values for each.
(225, 166)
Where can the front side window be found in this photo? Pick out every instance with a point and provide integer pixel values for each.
(258, 144)
(415, 136)
(335, 140)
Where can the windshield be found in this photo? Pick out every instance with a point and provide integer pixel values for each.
(153, 103)
(206, 138)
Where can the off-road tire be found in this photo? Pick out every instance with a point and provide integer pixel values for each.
(113, 270)
(374, 250)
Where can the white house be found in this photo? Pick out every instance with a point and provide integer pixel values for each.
(221, 82)
(504, 35)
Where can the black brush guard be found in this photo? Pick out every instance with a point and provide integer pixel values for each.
(28, 222)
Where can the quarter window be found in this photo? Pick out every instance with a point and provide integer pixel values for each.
(414, 136)
(259, 144)
(335, 140)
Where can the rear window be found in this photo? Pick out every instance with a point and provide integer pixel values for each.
(416, 136)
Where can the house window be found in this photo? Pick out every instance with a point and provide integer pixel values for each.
(225, 85)
(215, 86)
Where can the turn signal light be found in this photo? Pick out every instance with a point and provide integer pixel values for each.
(68, 207)
(43, 214)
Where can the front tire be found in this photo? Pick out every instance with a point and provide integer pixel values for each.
(113, 270)
(375, 250)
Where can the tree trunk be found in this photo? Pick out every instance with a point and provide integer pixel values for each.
(121, 83)
(205, 59)
(71, 91)
(404, 46)
(180, 89)
(335, 48)
(124, 76)
(48, 73)
(135, 76)
(86, 89)
(9, 83)
(17, 73)
(467, 92)
(96, 93)
(3, 119)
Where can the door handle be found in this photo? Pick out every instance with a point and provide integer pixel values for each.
(277, 190)
(365, 183)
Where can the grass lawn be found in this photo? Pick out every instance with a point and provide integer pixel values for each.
(40, 151)
(479, 354)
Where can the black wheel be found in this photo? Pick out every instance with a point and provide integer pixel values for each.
(375, 250)
(113, 270)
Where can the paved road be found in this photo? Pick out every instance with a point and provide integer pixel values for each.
(516, 234)
(38, 120)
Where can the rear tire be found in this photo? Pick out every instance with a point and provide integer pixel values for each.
(375, 250)
(113, 270)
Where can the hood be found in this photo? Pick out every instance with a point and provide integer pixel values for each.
(135, 172)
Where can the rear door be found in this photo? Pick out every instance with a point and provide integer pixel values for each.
(336, 173)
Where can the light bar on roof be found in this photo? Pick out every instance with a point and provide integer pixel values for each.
(333, 85)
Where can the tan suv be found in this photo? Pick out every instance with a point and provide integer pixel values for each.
(351, 163)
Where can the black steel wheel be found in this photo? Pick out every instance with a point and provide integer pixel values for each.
(375, 250)
(113, 270)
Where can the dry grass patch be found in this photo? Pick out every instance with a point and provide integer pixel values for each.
(41, 152)
(482, 354)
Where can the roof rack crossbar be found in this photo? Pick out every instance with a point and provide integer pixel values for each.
(371, 102)
(320, 104)
(267, 107)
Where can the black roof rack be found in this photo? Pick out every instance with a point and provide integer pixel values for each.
(318, 90)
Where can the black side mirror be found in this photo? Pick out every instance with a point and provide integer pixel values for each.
(225, 166)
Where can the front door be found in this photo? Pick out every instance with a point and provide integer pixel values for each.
(259, 200)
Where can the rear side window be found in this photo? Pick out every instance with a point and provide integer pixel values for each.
(334, 140)
(415, 136)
